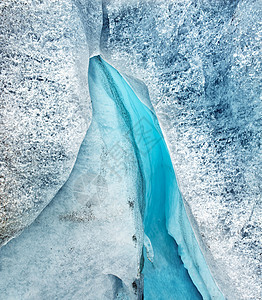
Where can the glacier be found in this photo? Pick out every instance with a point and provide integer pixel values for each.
(87, 243)
(123, 177)
(45, 105)
(199, 64)
(164, 274)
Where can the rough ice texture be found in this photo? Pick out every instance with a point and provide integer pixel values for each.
(86, 244)
(45, 108)
(201, 63)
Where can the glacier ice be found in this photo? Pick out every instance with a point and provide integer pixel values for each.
(87, 243)
(45, 106)
(88, 240)
(201, 63)
(165, 276)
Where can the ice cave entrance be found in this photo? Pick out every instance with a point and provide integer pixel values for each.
(174, 267)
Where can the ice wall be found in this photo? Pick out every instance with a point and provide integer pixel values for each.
(87, 243)
(201, 63)
(168, 233)
(45, 107)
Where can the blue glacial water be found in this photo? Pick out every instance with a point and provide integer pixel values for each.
(168, 233)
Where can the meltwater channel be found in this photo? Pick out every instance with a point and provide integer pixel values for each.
(87, 243)
(174, 267)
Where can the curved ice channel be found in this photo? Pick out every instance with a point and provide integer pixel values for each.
(87, 243)
(168, 233)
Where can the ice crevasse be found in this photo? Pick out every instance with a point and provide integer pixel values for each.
(118, 228)
(167, 231)
(102, 234)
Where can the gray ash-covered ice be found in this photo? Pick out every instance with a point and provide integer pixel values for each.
(45, 106)
(201, 63)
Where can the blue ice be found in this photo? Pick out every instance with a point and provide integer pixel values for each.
(168, 232)
(87, 242)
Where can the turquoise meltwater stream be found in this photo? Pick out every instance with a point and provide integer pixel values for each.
(174, 267)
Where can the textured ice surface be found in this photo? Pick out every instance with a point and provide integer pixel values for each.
(87, 243)
(165, 275)
(201, 63)
(45, 108)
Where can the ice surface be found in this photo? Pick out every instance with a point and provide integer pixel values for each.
(201, 63)
(87, 243)
(45, 106)
(165, 276)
